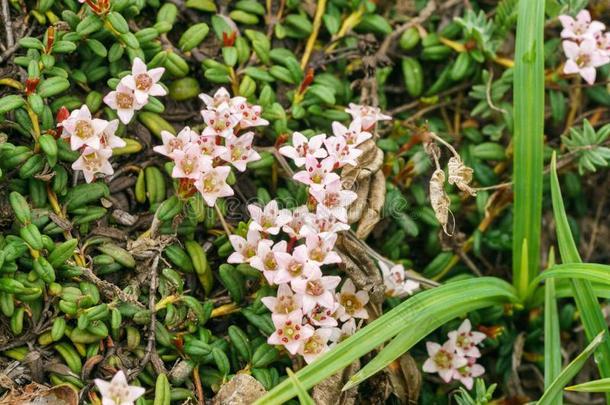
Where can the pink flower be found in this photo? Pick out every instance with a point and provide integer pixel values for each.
(603, 42)
(343, 153)
(317, 174)
(189, 163)
(221, 99)
(465, 340)
(353, 302)
(266, 259)
(443, 360)
(208, 146)
(108, 139)
(580, 28)
(354, 135)
(269, 219)
(316, 291)
(212, 184)
(250, 114)
(467, 373)
(246, 249)
(583, 58)
(301, 147)
(290, 331)
(296, 267)
(322, 222)
(396, 282)
(367, 115)
(347, 330)
(316, 345)
(93, 161)
(143, 82)
(322, 316)
(177, 142)
(219, 122)
(320, 249)
(334, 199)
(284, 303)
(300, 215)
(117, 391)
(123, 100)
(82, 129)
(238, 151)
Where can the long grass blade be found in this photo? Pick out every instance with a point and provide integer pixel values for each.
(302, 393)
(602, 385)
(570, 371)
(552, 339)
(599, 273)
(419, 315)
(528, 140)
(586, 301)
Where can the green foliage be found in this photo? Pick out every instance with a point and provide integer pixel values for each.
(587, 145)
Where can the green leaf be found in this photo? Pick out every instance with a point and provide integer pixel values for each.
(602, 385)
(528, 140)
(552, 339)
(11, 102)
(53, 86)
(413, 319)
(570, 371)
(592, 317)
(302, 393)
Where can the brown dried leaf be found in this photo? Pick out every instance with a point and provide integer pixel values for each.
(406, 379)
(328, 392)
(241, 390)
(460, 175)
(439, 198)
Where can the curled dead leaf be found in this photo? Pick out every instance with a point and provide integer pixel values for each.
(439, 198)
(38, 394)
(460, 175)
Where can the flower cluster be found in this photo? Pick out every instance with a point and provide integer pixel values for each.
(95, 138)
(132, 92)
(586, 45)
(117, 391)
(202, 161)
(456, 358)
(396, 282)
(307, 310)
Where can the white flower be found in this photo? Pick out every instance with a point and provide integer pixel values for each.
(583, 58)
(108, 139)
(322, 316)
(316, 291)
(290, 331)
(396, 283)
(269, 219)
(246, 249)
(190, 163)
(352, 302)
(300, 216)
(580, 28)
(238, 151)
(175, 142)
(316, 345)
(285, 302)
(354, 135)
(467, 373)
(317, 174)
(343, 153)
(443, 360)
(117, 391)
(221, 97)
(465, 340)
(209, 147)
(333, 199)
(320, 248)
(143, 82)
(296, 267)
(302, 146)
(123, 100)
(212, 184)
(82, 129)
(250, 114)
(266, 259)
(219, 122)
(368, 116)
(321, 222)
(93, 161)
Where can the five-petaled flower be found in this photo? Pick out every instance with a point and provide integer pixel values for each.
(118, 391)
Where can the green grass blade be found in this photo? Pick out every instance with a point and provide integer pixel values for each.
(586, 301)
(552, 339)
(302, 393)
(570, 371)
(598, 273)
(528, 140)
(429, 322)
(602, 385)
(419, 314)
